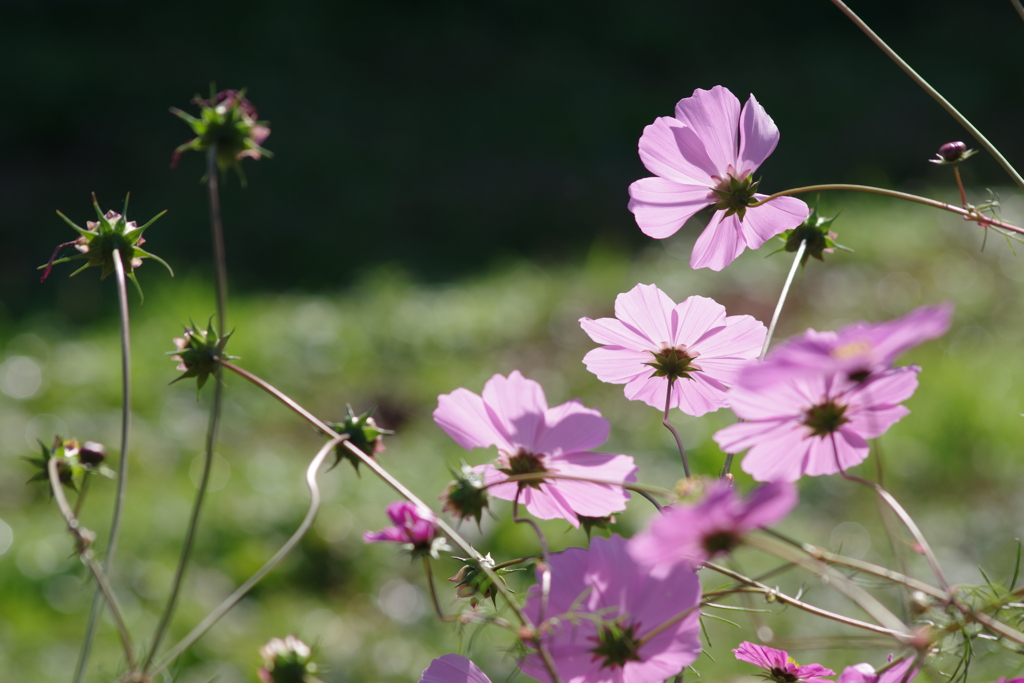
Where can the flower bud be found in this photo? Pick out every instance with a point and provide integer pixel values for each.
(414, 527)
(953, 153)
(199, 353)
(92, 453)
(286, 661)
(815, 231)
(228, 125)
(99, 239)
(466, 496)
(363, 433)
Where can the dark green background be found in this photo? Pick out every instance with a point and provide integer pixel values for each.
(448, 136)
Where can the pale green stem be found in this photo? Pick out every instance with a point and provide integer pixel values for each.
(966, 213)
(782, 298)
(943, 102)
(541, 476)
(83, 538)
(669, 427)
(229, 602)
(219, 254)
(193, 524)
(122, 476)
(447, 529)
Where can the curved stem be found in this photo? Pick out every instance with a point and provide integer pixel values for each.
(433, 590)
(774, 594)
(122, 475)
(545, 564)
(219, 255)
(193, 524)
(669, 427)
(229, 602)
(782, 298)
(81, 495)
(960, 185)
(448, 530)
(934, 203)
(943, 102)
(1019, 7)
(84, 537)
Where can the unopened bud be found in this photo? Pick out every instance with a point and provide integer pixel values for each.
(92, 453)
(953, 153)
(286, 661)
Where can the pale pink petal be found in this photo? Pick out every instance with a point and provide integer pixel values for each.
(571, 428)
(825, 456)
(742, 338)
(693, 318)
(453, 669)
(661, 206)
(547, 502)
(761, 655)
(464, 417)
(617, 365)
(651, 390)
(590, 499)
(699, 395)
(674, 152)
(648, 309)
(758, 136)
(873, 423)
(517, 406)
(724, 370)
(767, 505)
(893, 386)
(719, 244)
(761, 223)
(779, 455)
(616, 333)
(714, 116)
(896, 336)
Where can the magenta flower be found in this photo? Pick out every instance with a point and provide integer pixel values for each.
(513, 415)
(813, 425)
(904, 672)
(706, 156)
(780, 666)
(414, 526)
(693, 534)
(453, 669)
(653, 342)
(601, 607)
(859, 351)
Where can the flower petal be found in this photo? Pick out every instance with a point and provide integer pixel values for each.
(719, 244)
(617, 365)
(761, 223)
(614, 332)
(571, 428)
(517, 407)
(661, 206)
(464, 417)
(453, 668)
(648, 309)
(672, 151)
(714, 116)
(693, 318)
(758, 136)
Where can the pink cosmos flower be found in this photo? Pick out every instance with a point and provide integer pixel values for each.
(904, 672)
(859, 350)
(601, 605)
(653, 341)
(813, 425)
(706, 156)
(413, 525)
(1004, 680)
(693, 534)
(780, 666)
(513, 415)
(453, 669)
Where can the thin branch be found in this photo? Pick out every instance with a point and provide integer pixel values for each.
(669, 427)
(966, 213)
(122, 475)
(83, 538)
(219, 254)
(782, 298)
(193, 523)
(541, 476)
(229, 602)
(943, 102)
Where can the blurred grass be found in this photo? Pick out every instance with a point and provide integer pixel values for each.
(955, 462)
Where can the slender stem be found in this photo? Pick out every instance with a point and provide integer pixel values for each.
(433, 590)
(122, 475)
(943, 102)
(545, 564)
(1019, 7)
(83, 538)
(669, 427)
(968, 214)
(232, 600)
(782, 297)
(960, 185)
(403, 491)
(774, 594)
(219, 256)
(193, 524)
(81, 494)
(907, 520)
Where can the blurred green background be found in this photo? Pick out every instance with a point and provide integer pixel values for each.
(447, 200)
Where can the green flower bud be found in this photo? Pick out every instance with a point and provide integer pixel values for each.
(287, 661)
(99, 239)
(466, 495)
(228, 126)
(815, 231)
(363, 433)
(73, 460)
(199, 353)
(472, 582)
